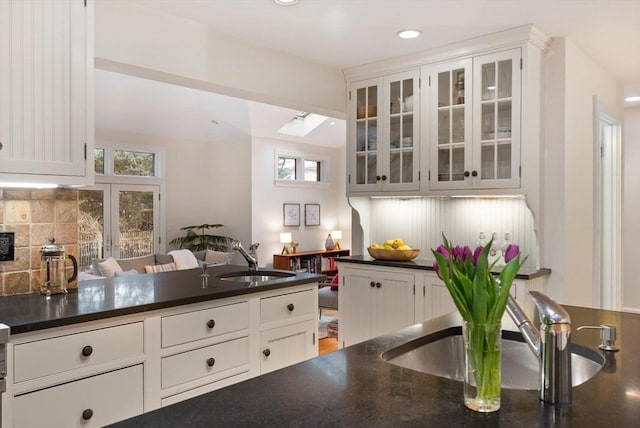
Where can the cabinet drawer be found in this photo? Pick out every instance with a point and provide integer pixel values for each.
(287, 306)
(196, 325)
(103, 399)
(201, 362)
(64, 353)
(173, 399)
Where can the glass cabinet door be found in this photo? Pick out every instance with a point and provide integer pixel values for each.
(497, 113)
(366, 134)
(450, 119)
(401, 138)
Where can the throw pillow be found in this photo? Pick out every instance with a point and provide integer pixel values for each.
(334, 283)
(126, 273)
(168, 267)
(218, 257)
(109, 267)
(184, 259)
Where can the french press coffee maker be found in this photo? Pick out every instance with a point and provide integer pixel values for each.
(53, 268)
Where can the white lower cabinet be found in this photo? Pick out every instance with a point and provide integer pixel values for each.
(288, 329)
(92, 402)
(284, 346)
(374, 301)
(101, 372)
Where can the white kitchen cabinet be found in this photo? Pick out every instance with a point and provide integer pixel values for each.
(373, 301)
(384, 134)
(288, 329)
(46, 66)
(91, 402)
(474, 120)
(434, 299)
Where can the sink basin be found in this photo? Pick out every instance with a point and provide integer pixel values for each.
(441, 354)
(255, 277)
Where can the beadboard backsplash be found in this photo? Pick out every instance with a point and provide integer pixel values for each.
(420, 222)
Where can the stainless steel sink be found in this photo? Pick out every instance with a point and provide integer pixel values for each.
(254, 277)
(441, 354)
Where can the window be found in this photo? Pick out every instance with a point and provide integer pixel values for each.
(118, 162)
(297, 168)
(312, 170)
(286, 169)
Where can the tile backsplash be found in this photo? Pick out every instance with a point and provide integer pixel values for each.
(35, 216)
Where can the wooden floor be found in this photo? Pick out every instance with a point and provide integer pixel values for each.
(326, 345)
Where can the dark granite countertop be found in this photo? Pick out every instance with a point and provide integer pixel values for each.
(427, 264)
(354, 387)
(104, 298)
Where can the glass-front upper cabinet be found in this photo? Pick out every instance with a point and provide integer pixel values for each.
(384, 134)
(475, 122)
(450, 124)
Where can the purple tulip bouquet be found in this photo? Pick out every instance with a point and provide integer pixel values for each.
(481, 298)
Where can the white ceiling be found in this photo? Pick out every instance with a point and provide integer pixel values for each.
(346, 33)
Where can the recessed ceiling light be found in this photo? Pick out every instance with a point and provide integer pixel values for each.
(632, 98)
(285, 2)
(408, 34)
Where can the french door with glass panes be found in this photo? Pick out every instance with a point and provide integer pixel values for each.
(475, 122)
(118, 220)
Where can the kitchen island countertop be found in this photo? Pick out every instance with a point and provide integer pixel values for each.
(99, 299)
(354, 387)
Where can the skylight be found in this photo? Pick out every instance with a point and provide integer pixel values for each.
(302, 124)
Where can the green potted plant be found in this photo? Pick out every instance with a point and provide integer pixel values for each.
(197, 239)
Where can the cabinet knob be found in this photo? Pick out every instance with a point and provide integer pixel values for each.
(290, 307)
(211, 323)
(372, 284)
(211, 361)
(384, 178)
(378, 285)
(0, 145)
(267, 352)
(474, 173)
(87, 414)
(466, 173)
(87, 350)
(378, 178)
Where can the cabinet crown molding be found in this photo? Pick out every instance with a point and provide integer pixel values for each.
(500, 40)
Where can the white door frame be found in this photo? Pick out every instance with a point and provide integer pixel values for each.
(607, 231)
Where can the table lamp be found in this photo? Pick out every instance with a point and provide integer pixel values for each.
(337, 236)
(285, 239)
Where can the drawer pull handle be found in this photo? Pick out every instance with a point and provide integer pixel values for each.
(267, 352)
(211, 361)
(290, 307)
(211, 323)
(87, 350)
(87, 414)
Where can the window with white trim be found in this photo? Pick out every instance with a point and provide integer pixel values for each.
(298, 168)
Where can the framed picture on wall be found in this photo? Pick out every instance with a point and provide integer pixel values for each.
(291, 214)
(312, 214)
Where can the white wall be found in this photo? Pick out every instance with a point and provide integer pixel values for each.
(136, 40)
(573, 80)
(631, 210)
(204, 183)
(268, 197)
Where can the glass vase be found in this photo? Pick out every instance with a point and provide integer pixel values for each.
(482, 345)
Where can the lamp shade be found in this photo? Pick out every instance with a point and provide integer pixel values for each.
(285, 238)
(336, 234)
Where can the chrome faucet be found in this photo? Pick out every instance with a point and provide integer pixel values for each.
(251, 257)
(552, 345)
